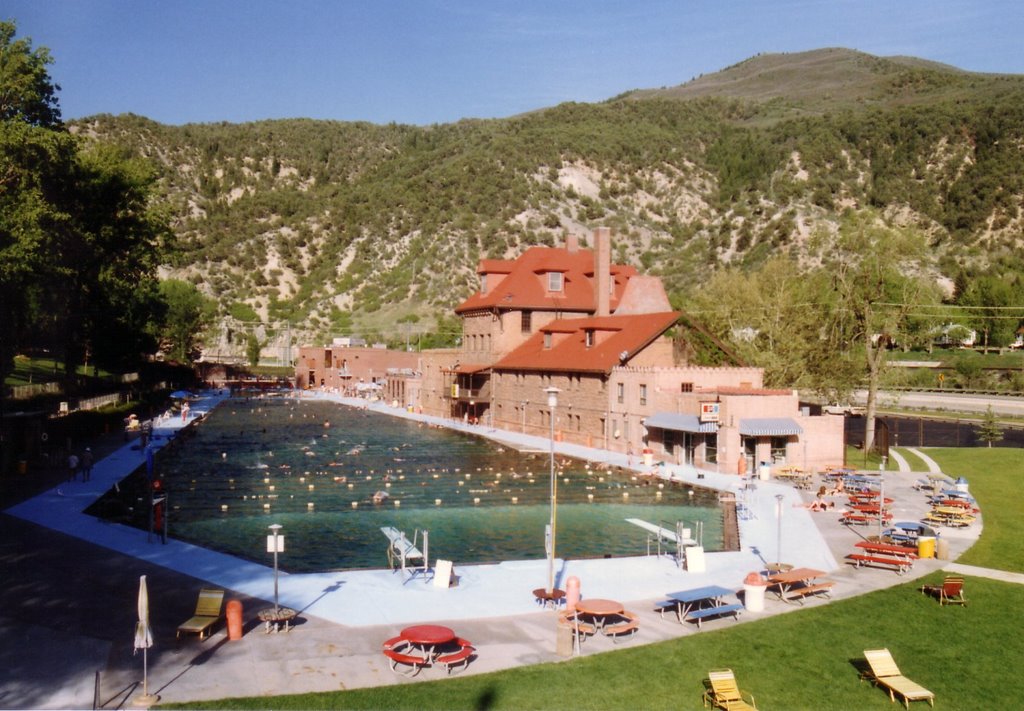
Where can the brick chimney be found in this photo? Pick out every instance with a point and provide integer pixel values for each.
(602, 269)
(572, 242)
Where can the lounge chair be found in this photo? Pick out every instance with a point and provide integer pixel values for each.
(723, 693)
(951, 592)
(882, 670)
(207, 613)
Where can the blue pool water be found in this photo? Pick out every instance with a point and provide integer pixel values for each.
(314, 468)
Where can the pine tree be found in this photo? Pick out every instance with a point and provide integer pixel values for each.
(989, 431)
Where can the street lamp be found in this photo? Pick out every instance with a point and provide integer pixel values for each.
(552, 404)
(881, 496)
(778, 542)
(275, 544)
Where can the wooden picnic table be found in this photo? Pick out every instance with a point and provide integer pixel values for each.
(793, 585)
(599, 609)
(545, 597)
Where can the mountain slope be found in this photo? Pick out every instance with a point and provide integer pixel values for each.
(352, 226)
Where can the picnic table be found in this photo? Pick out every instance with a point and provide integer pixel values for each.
(699, 603)
(545, 597)
(599, 609)
(900, 558)
(796, 584)
(421, 646)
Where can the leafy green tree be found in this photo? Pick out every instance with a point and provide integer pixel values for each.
(253, 346)
(988, 297)
(873, 271)
(27, 94)
(187, 314)
(79, 240)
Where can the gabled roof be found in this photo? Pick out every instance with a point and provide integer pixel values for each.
(525, 288)
(615, 337)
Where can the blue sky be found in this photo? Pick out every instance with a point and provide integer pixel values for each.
(436, 61)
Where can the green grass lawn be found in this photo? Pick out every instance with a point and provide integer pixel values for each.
(803, 660)
(43, 370)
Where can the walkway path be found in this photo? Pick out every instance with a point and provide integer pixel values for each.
(933, 466)
(899, 460)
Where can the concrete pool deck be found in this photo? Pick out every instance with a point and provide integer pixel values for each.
(344, 616)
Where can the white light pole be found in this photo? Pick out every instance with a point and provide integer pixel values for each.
(881, 496)
(275, 543)
(552, 404)
(778, 542)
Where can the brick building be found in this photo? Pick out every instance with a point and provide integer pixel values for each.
(601, 333)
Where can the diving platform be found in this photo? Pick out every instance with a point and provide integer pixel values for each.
(402, 552)
(679, 536)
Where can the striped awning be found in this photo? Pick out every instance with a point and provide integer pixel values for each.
(769, 427)
(679, 423)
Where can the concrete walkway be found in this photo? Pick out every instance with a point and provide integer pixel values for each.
(84, 573)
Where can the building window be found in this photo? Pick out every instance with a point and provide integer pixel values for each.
(711, 449)
(643, 394)
(620, 393)
(589, 333)
(547, 341)
(483, 283)
(779, 450)
(527, 325)
(554, 281)
(686, 387)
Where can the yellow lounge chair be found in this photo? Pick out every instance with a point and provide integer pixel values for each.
(723, 693)
(207, 613)
(884, 672)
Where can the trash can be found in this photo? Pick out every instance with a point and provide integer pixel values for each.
(648, 457)
(233, 612)
(942, 549)
(754, 586)
(563, 639)
(764, 471)
(926, 546)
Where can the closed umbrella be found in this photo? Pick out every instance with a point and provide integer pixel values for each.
(143, 641)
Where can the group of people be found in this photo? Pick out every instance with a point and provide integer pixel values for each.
(81, 465)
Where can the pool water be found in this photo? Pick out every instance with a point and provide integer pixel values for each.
(315, 467)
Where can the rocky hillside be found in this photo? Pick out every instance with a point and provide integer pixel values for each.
(360, 227)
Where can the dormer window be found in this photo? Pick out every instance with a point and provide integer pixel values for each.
(555, 281)
(547, 341)
(483, 283)
(589, 337)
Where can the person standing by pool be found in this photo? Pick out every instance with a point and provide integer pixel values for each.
(72, 467)
(86, 464)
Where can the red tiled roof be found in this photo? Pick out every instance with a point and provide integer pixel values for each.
(569, 351)
(525, 286)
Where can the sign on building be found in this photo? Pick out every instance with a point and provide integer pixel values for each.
(709, 411)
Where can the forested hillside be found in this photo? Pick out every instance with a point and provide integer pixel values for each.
(358, 227)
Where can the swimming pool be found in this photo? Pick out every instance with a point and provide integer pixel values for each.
(315, 468)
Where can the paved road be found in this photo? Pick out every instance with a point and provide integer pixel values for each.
(956, 402)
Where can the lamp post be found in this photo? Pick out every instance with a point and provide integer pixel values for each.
(275, 543)
(881, 496)
(552, 404)
(778, 542)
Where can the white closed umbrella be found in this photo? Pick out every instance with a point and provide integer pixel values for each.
(143, 641)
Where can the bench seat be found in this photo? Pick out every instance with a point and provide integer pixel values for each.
(414, 662)
(823, 588)
(900, 564)
(455, 659)
(626, 627)
(699, 615)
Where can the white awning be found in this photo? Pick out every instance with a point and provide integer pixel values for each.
(769, 427)
(679, 422)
